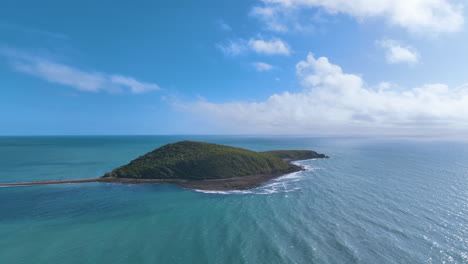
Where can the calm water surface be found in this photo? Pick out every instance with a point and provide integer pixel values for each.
(374, 201)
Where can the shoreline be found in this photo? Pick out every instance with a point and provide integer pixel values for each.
(228, 184)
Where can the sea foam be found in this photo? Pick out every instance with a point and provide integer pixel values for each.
(282, 184)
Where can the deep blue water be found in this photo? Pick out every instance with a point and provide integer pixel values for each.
(374, 201)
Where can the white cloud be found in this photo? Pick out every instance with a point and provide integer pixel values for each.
(262, 66)
(271, 16)
(274, 46)
(433, 16)
(62, 74)
(396, 53)
(267, 47)
(134, 85)
(234, 47)
(333, 101)
(81, 80)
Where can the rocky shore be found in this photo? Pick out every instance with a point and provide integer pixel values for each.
(235, 183)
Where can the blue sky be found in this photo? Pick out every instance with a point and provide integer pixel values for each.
(308, 67)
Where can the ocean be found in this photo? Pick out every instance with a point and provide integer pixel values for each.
(374, 201)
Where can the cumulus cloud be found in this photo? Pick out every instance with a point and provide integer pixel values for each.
(275, 46)
(333, 101)
(262, 66)
(434, 16)
(267, 47)
(81, 80)
(396, 53)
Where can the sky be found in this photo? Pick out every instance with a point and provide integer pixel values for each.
(255, 67)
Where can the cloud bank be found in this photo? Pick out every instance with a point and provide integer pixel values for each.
(432, 16)
(333, 101)
(69, 76)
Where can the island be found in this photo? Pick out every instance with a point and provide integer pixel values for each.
(203, 166)
(208, 166)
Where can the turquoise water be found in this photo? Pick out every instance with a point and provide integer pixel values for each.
(374, 201)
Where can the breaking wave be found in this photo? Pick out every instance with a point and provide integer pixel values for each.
(282, 184)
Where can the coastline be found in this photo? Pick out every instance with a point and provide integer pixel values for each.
(228, 184)
(235, 183)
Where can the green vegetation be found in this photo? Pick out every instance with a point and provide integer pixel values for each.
(291, 155)
(199, 160)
